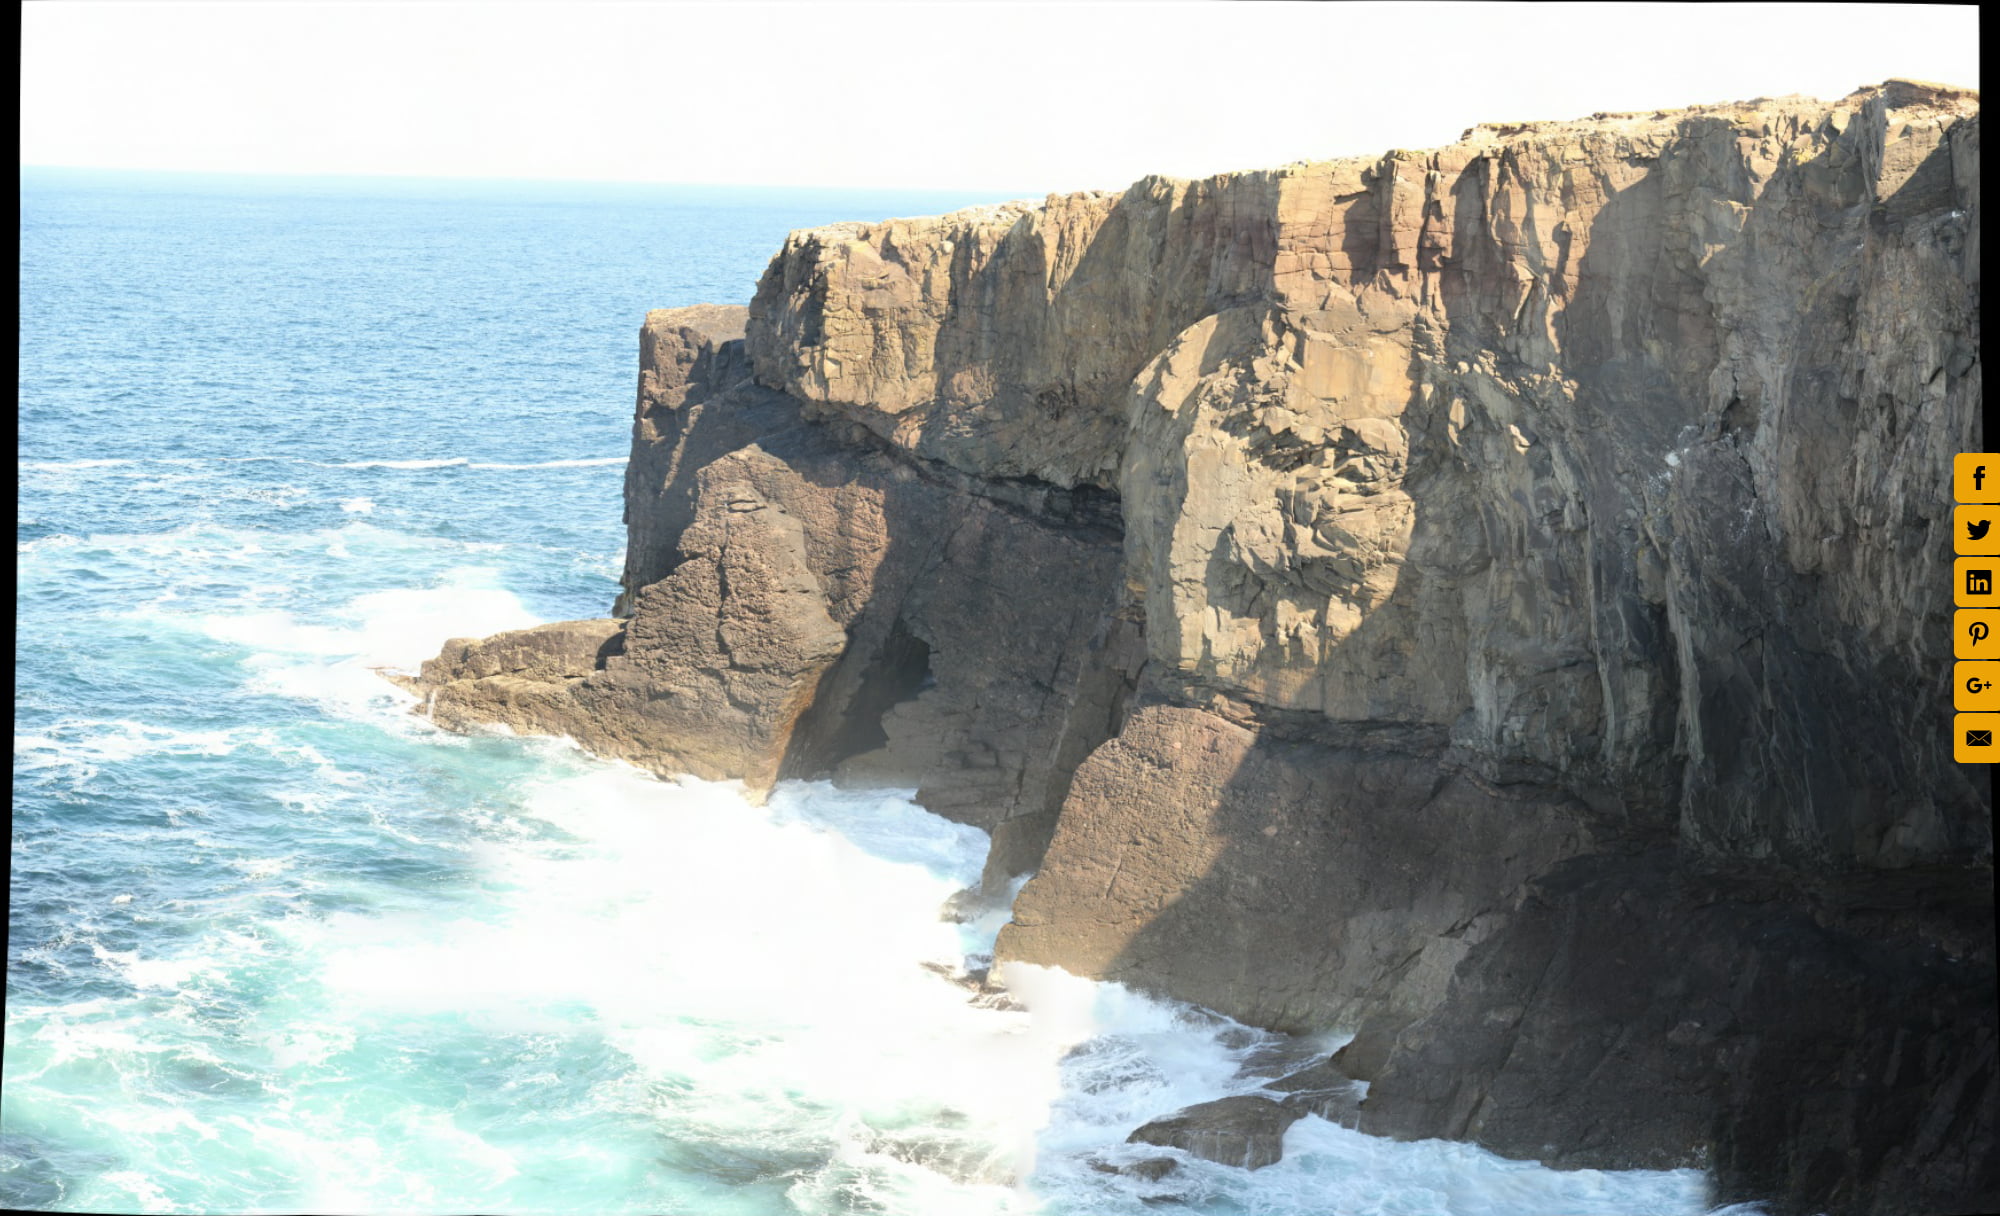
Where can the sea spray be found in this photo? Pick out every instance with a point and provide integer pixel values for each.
(531, 981)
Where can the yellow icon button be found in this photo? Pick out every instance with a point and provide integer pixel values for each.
(1972, 582)
(1975, 477)
(1976, 633)
(1972, 738)
(1976, 686)
(1973, 530)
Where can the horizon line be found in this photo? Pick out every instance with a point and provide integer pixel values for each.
(468, 178)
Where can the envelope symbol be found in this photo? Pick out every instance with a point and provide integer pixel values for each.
(1979, 738)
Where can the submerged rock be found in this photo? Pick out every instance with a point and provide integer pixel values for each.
(1246, 1131)
(1146, 1169)
(961, 1158)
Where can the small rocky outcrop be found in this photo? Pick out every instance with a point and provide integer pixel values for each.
(1322, 1089)
(1146, 1169)
(1246, 1131)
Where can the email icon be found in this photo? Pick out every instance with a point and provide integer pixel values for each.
(1972, 739)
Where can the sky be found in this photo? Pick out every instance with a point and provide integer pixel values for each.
(1018, 97)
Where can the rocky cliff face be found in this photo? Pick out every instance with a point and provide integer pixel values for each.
(1494, 598)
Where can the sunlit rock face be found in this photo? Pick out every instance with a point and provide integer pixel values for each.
(1346, 584)
(1586, 441)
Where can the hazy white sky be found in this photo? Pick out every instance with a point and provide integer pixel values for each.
(1016, 97)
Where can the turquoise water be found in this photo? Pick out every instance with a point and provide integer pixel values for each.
(276, 944)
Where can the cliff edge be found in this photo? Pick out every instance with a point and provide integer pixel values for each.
(1495, 599)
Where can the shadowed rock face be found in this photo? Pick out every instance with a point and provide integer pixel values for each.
(1194, 852)
(1494, 599)
(808, 601)
(1839, 1047)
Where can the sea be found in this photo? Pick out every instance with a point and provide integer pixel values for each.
(277, 944)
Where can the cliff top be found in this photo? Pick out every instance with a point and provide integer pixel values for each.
(1895, 93)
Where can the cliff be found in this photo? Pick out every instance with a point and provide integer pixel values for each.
(1494, 599)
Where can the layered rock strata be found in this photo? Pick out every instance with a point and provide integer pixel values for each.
(1494, 599)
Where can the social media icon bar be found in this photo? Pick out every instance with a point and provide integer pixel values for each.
(1976, 633)
(1972, 529)
(1975, 483)
(1972, 738)
(1975, 477)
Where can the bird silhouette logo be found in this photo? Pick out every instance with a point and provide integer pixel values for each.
(1975, 529)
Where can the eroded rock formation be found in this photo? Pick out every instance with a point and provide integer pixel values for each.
(807, 600)
(1494, 599)
(1246, 1131)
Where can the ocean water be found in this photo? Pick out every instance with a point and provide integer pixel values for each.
(277, 945)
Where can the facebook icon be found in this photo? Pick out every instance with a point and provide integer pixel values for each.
(1969, 480)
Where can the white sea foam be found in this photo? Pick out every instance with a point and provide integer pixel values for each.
(75, 750)
(774, 979)
(381, 628)
(590, 463)
(155, 1121)
(338, 663)
(219, 560)
(282, 497)
(295, 1047)
(775, 974)
(358, 506)
(450, 462)
(278, 631)
(404, 627)
(87, 1030)
(467, 462)
(148, 1193)
(52, 465)
(122, 740)
(771, 976)
(59, 540)
(152, 973)
(261, 867)
(776, 969)
(80, 747)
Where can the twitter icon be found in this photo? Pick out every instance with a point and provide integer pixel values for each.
(1973, 526)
